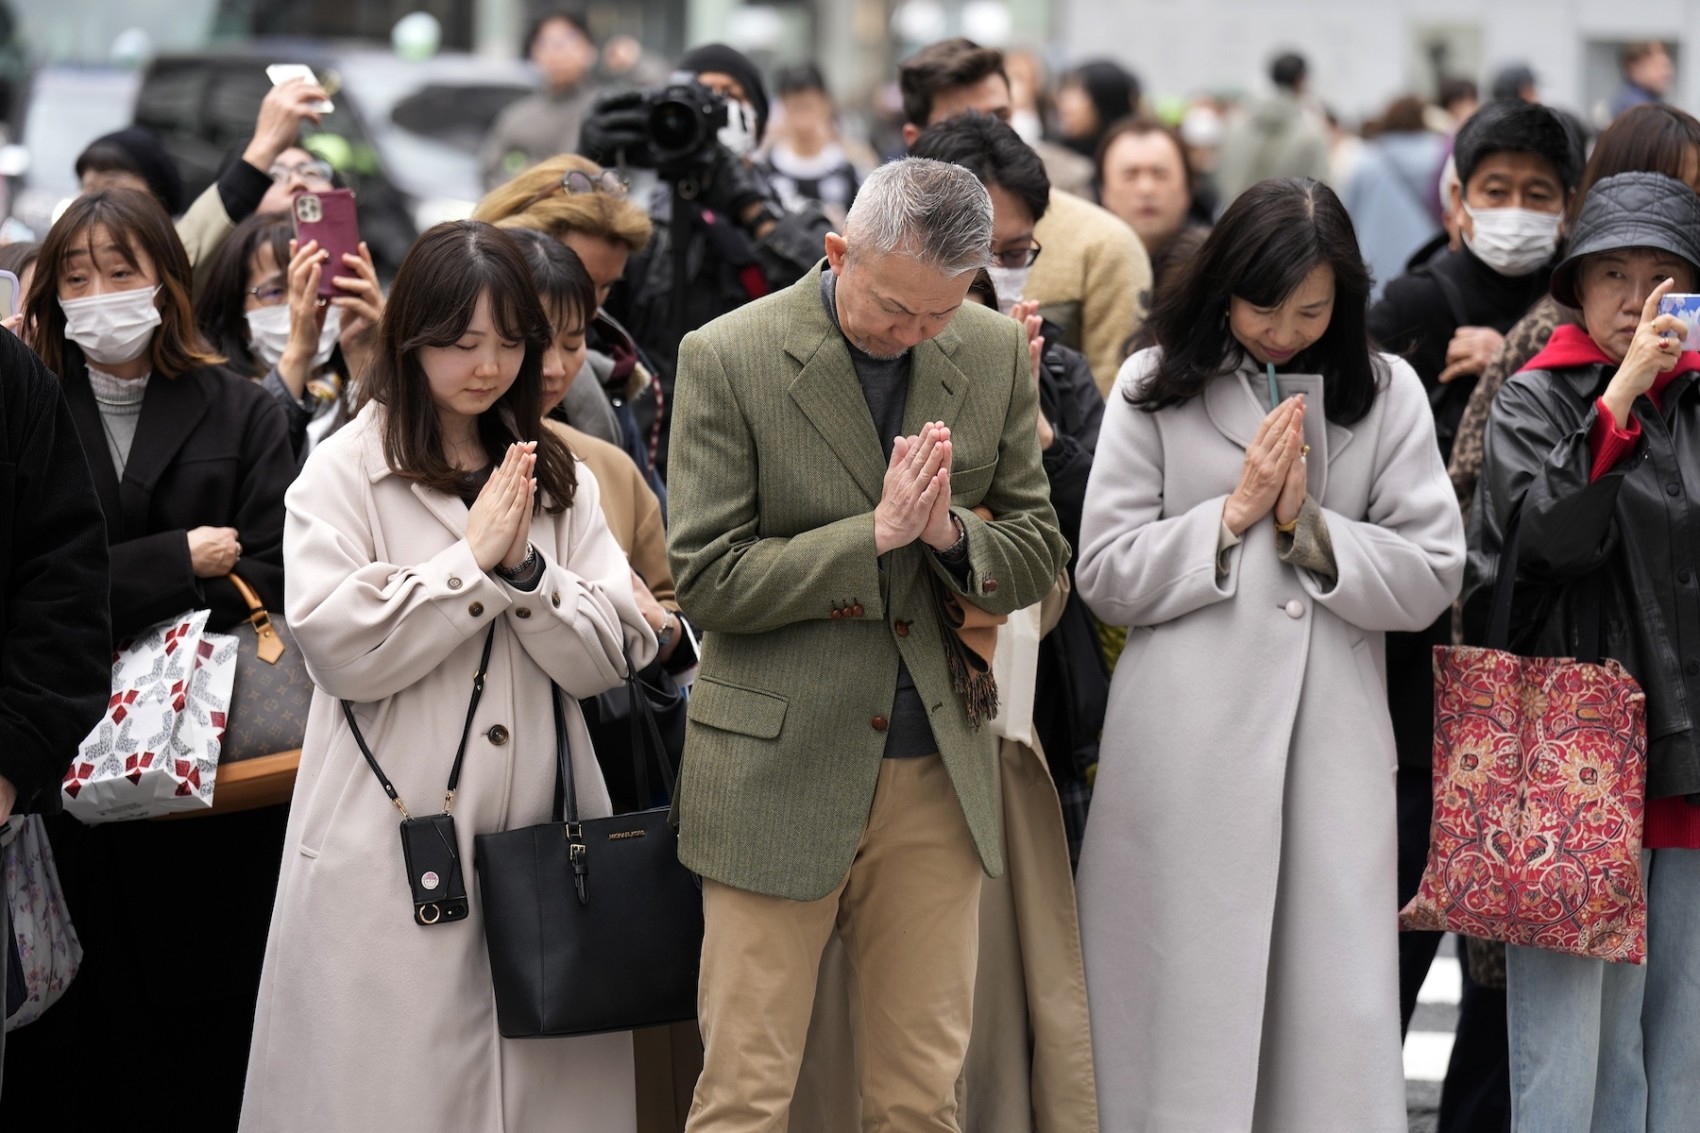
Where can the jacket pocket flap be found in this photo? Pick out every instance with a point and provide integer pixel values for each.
(733, 709)
(969, 485)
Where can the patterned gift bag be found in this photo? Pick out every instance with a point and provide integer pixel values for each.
(156, 750)
(45, 951)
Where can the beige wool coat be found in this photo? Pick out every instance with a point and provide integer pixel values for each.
(1237, 896)
(366, 1020)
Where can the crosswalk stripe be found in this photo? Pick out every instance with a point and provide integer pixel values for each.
(1428, 1052)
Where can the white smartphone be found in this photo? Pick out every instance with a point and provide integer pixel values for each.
(1686, 308)
(9, 294)
(280, 73)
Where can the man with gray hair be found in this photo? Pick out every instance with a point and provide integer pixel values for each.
(856, 477)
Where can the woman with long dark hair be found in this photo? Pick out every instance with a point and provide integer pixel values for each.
(442, 525)
(1267, 500)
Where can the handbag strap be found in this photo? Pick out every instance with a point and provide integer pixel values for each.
(1505, 583)
(646, 736)
(460, 753)
(269, 646)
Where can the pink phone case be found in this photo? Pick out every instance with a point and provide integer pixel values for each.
(329, 218)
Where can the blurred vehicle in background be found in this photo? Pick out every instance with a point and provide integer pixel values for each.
(62, 110)
(404, 135)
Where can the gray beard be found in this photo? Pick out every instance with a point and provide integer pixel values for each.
(876, 355)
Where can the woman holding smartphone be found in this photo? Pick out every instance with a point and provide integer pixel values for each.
(1266, 502)
(443, 520)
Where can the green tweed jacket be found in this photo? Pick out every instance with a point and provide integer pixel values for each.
(774, 475)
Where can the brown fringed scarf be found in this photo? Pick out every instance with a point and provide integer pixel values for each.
(970, 639)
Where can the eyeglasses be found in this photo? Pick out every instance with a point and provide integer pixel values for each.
(1017, 257)
(270, 294)
(576, 182)
(315, 170)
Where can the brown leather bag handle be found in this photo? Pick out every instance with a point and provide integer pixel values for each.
(269, 646)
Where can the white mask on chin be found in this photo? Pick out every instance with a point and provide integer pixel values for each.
(268, 334)
(1513, 242)
(739, 133)
(113, 328)
(1009, 283)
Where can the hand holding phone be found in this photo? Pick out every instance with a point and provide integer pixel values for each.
(329, 218)
(280, 73)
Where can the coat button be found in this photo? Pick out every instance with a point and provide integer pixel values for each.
(476, 609)
(454, 582)
(1295, 608)
(1673, 489)
(856, 611)
(902, 629)
(523, 612)
(497, 735)
(1684, 576)
(837, 613)
(879, 723)
(1693, 668)
(990, 586)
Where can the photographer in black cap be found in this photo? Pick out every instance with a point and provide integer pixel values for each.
(698, 133)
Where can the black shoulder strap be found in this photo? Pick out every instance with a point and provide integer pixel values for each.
(465, 734)
(1587, 609)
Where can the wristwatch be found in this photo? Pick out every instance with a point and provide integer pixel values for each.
(669, 627)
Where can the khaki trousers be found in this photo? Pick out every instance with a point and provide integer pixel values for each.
(908, 913)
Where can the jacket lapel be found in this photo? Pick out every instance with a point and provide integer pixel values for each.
(827, 391)
(171, 409)
(1236, 405)
(86, 415)
(937, 387)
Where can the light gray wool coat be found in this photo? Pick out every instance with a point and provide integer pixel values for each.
(1237, 900)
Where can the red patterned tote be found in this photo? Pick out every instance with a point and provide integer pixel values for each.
(1540, 772)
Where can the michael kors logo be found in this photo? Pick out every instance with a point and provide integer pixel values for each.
(624, 834)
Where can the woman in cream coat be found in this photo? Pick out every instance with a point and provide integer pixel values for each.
(368, 1021)
(1237, 880)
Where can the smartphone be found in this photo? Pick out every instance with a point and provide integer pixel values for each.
(1686, 308)
(328, 217)
(11, 296)
(280, 73)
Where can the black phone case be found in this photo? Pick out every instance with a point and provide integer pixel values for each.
(432, 855)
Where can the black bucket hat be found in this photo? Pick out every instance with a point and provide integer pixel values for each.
(1632, 210)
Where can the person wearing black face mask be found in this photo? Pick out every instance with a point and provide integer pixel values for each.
(743, 243)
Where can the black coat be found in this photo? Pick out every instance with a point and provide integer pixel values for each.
(1632, 537)
(1070, 401)
(1421, 310)
(211, 450)
(55, 632)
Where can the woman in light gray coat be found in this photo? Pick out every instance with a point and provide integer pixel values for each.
(1267, 501)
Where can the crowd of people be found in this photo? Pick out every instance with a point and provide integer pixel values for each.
(1055, 736)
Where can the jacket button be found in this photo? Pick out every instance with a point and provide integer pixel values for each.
(1684, 576)
(856, 611)
(879, 723)
(497, 735)
(454, 582)
(1673, 489)
(1693, 668)
(837, 613)
(523, 612)
(990, 586)
(902, 629)
(476, 609)
(1295, 608)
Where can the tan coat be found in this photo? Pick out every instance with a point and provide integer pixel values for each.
(630, 507)
(1093, 279)
(367, 1021)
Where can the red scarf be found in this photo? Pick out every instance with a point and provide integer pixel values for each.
(1570, 346)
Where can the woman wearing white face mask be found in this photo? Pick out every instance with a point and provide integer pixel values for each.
(190, 462)
(259, 305)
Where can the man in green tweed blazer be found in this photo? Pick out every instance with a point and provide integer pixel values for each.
(829, 443)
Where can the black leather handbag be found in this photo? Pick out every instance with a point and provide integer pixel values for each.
(592, 925)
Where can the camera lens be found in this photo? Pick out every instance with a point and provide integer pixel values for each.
(675, 128)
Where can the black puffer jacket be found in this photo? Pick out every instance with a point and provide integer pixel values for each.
(1633, 536)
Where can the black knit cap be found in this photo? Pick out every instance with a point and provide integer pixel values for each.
(1631, 210)
(138, 150)
(730, 61)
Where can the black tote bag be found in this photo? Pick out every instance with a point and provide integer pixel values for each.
(592, 926)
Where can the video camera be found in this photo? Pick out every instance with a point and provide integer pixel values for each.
(682, 121)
